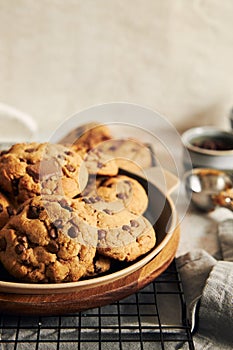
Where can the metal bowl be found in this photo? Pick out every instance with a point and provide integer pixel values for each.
(204, 184)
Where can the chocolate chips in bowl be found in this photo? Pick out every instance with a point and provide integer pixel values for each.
(209, 147)
(215, 143)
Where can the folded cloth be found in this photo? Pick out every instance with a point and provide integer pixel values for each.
(225, 233)
(216, 304)
(208, 289)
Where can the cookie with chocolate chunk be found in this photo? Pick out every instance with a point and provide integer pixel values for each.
(126, 190)
(129, 154)
(27, 170)
(122, 235)
(128, 241)
(6, 210)
(47, 241)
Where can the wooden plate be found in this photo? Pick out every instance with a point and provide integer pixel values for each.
(43, 299)
(80, 300)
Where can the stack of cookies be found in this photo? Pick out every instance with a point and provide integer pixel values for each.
(65, 211)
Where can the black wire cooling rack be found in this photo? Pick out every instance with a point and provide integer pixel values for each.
(153, 318)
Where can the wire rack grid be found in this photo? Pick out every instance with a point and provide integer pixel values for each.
(153, 318)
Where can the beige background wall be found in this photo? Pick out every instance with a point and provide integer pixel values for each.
(175, 56)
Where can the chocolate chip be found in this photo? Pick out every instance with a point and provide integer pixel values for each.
(1, 208)
(3, 244)
(112, 148)
(94, 199)
(49, 168)
(121, 195)
(134, 223)
(126, 227)
(19, 248)
(127, 182)
(101, 234)
(60, 156)
(30, 150)
(15, 186)
(34, 212)
(34, 171)
(10, 211)
(86, 200)
(29, 161)
(73, 232)
(107, 211)
(58, 223)
(53, 232)
(110, 185)
(53, 247)
(100, 165)
(65, 205)
(70, 168)
(69, 153)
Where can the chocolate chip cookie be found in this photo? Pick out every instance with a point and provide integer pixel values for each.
(129, 154)
(128, 241)
(47, 241)
(27, 170)
(126, 190)
(122, 235)
(6, 210)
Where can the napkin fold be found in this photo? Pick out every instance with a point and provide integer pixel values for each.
(208, 289)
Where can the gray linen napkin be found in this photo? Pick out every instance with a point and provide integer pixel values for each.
(208, 288)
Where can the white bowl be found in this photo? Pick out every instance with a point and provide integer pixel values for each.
(15, 126)
(193, 140)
